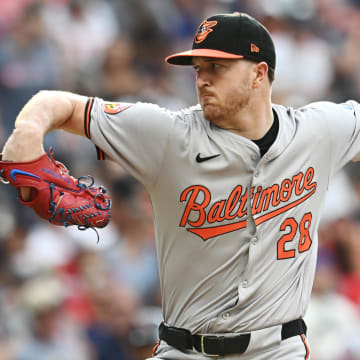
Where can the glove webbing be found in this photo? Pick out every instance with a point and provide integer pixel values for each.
(68, 219)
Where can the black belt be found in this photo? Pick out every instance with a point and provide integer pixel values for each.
(182, 339)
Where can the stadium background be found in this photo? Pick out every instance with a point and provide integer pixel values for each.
(62, 295)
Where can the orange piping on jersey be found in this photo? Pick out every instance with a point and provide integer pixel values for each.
(87, 117)
(100, 153)
(306, 347)
(155, 348)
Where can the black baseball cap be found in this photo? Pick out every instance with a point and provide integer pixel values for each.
(229, 36)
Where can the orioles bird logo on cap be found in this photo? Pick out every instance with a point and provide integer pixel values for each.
(205, 29)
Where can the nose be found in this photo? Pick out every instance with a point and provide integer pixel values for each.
(202, 79)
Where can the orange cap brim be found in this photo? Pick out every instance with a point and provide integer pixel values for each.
(185, 57)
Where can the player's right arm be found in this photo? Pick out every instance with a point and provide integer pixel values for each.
(44, 112)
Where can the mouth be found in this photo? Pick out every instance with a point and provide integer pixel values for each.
(206, 97)
(203, 94)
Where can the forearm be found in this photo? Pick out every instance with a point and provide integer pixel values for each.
(46, 111)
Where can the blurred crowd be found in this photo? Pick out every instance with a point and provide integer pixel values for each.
(65, 296)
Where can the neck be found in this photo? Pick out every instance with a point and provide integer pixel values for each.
(254, 120)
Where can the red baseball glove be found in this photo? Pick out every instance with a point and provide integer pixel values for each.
(56, 195)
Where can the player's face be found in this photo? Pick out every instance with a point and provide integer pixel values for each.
(224, 88)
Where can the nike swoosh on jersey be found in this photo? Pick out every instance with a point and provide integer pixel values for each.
(15, 172)
(200, 159)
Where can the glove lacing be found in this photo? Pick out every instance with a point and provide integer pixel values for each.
(81, 183)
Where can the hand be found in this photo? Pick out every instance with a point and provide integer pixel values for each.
(56, 195)
(24, 144)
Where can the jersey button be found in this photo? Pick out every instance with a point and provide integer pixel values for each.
(244, 283)
(256, 173)
(254, 240)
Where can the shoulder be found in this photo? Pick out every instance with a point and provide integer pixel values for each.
(330, 109)
(323, 106)
(315, 107)
(320, 111)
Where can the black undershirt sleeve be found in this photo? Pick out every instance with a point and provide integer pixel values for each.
(267, 140)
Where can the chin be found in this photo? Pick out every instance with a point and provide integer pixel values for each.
(212, 113)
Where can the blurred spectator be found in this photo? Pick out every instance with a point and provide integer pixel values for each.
(132, 259)
(177, 18)
(118, 78)
(53, 335)
(45, 247)
(144, 333)
(10, 13)
(27, 64)
(347, 85)
(304, 69)
(346, 234)
(114, 309)
(331, 318)
(82, 31)
(341, 200)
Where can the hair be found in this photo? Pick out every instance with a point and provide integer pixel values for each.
(271, 75)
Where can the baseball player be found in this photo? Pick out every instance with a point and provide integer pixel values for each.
(237, 185)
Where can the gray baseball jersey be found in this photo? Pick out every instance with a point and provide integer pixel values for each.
(236, 233)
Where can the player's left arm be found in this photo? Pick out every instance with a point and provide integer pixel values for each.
(43, 113)
(43, 183)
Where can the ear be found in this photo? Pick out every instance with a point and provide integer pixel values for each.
(261, 74)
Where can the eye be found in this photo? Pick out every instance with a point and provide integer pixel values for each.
(216, 66)
(196, 68)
